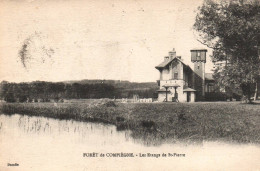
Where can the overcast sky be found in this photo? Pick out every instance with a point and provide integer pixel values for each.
(99, 39)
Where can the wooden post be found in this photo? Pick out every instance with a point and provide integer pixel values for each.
(166, 88)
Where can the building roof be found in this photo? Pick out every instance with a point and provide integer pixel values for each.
(171, 85)
(165, 63)
(188, 89)
(163, 90)
(209, 76)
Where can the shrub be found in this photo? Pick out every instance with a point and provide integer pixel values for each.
(120, 119)
(148, 124)
(216, 96)
(110, 104)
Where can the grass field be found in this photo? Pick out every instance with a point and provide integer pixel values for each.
(159, 122)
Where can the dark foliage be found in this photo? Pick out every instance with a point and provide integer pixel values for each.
(148, 124)
(120, 119)
(232, 30)
(111, 104)
(44, 91)
(216, 96)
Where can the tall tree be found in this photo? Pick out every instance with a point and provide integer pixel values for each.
(232, 29)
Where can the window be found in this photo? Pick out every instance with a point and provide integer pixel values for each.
(175, 76)
(198, 56)
(210, 88)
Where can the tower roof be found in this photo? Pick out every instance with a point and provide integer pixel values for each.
(199, 49)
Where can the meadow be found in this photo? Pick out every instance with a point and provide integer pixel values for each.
(159, 122)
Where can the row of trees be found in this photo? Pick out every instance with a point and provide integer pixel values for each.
(22, 92)
(232, 29)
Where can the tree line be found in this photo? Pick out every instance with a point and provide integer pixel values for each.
(45, 91)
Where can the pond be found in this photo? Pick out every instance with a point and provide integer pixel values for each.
(38, 143)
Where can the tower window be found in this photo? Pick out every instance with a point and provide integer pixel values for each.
(198, 56)
(198, 67)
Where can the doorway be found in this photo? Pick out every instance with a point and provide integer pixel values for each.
(188, 96)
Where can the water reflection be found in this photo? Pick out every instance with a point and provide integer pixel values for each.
(39, 143)
(80, 132)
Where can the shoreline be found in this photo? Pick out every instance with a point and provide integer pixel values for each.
(159, 122)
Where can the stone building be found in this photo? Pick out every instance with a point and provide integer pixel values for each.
(180, 82)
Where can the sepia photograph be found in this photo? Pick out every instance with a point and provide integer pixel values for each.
(106, 85)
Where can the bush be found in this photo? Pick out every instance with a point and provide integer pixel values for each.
(216, 96)
(120, 119)
(110, 104)
(148, 124)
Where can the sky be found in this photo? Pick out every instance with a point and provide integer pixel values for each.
(62, 40)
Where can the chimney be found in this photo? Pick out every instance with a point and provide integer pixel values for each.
(179, 57)
(166, 58)
(172, 54)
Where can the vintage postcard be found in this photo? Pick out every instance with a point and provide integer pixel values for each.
(129, 85)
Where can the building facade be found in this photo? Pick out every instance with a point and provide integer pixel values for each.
(181, 83)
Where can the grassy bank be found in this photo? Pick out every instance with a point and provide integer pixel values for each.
(159, 122)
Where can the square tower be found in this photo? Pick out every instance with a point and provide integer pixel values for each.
(198, 57)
